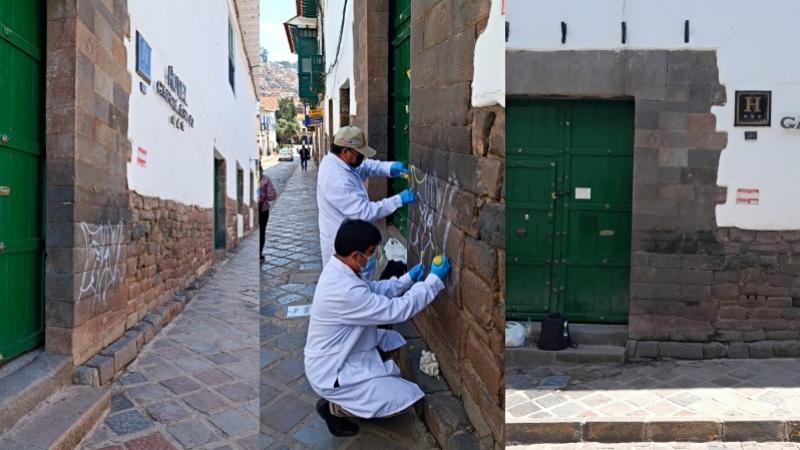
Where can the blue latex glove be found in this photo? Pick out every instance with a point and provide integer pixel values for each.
(417, 273)
(442, 269)
(408, 196)
(398, 168)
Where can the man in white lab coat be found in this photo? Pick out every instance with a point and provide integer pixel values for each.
(341, 193)
(346, 360)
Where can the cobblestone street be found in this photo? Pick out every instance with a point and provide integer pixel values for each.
(288, 279)
(195, 385)
(662, 446)
(724, 388)
(728, 399)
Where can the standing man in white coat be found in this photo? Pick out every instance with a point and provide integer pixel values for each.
(346, 354)
(341, 193)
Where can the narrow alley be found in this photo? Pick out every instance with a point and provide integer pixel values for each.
(195, 385)
(288, 279)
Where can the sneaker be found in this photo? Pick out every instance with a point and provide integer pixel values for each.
(337, 426)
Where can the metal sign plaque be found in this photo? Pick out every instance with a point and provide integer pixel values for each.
(753, 108)
(5, 191)
(143, 52)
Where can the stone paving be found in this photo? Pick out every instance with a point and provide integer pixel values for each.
(724, 389)
(195, 385)
(288, 278)
(662, 446)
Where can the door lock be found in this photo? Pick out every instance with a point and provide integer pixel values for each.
(555, 195)
(2, 247)
(4, 139)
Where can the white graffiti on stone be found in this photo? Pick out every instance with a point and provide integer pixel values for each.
(425, 234)
(103, 250)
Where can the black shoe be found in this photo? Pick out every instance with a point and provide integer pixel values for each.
(338, 426)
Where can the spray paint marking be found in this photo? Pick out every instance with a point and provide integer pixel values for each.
(101, 272)
(422, 233)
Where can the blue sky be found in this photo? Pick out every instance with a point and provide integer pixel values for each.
(273, 37)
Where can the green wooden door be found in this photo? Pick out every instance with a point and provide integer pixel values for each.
(220, 197)
(399, 94)
(21, 165)
(568, 206)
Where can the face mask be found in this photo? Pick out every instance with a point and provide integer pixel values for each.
(370, 266)
(359, 160)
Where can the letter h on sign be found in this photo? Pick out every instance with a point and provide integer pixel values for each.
(753, 108)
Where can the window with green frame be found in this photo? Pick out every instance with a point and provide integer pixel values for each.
(239, 190)
(231, 53)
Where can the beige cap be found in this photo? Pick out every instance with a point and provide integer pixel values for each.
(354, 138)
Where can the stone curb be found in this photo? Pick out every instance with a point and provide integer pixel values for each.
(553, 431)
(110, 362)
(441, 412)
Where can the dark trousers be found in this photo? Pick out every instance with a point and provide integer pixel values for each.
(304, 164)
(263, 217)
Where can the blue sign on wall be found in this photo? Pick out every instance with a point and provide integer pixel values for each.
(142, 57)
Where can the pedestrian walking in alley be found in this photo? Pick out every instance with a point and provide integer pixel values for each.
(341, 193)
(305, 155)
(266, 194)
(347, 357)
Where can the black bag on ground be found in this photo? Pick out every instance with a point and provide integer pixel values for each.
(393, 269)
(554, 334)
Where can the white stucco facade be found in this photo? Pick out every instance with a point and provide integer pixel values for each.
(339, 69)
(754, 52)
(267, 135)
(179, 164)
(489, 79)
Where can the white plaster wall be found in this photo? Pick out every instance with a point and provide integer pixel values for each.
(195, 42)
(755, 51)
(342, 71)
(489, 79)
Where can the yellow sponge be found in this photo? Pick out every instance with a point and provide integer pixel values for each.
(437, 260)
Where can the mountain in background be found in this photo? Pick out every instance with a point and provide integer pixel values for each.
(277, 79)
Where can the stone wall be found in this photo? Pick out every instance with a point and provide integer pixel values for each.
(87, 90)
(112, 256)
(460, 151)
(168, 245)
(697, 290)
(371, 79)
(738, 296)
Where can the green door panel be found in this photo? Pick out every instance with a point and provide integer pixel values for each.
(220, 199)
(529, 218)
(21, 176)
(399, 94)
(568, 201)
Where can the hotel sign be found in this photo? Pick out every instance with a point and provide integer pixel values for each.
(173, 91)
(753, 108)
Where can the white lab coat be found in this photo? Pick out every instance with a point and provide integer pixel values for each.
(341, 195)
(343, 339)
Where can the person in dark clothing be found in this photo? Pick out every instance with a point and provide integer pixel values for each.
(305, 155)
(266, 194)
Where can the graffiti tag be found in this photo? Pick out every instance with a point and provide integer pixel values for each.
(435, 196)
(101, 272)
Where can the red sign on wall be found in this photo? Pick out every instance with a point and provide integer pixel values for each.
(141, 157)
(746, 196)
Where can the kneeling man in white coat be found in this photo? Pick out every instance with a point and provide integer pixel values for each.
(345, 352)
